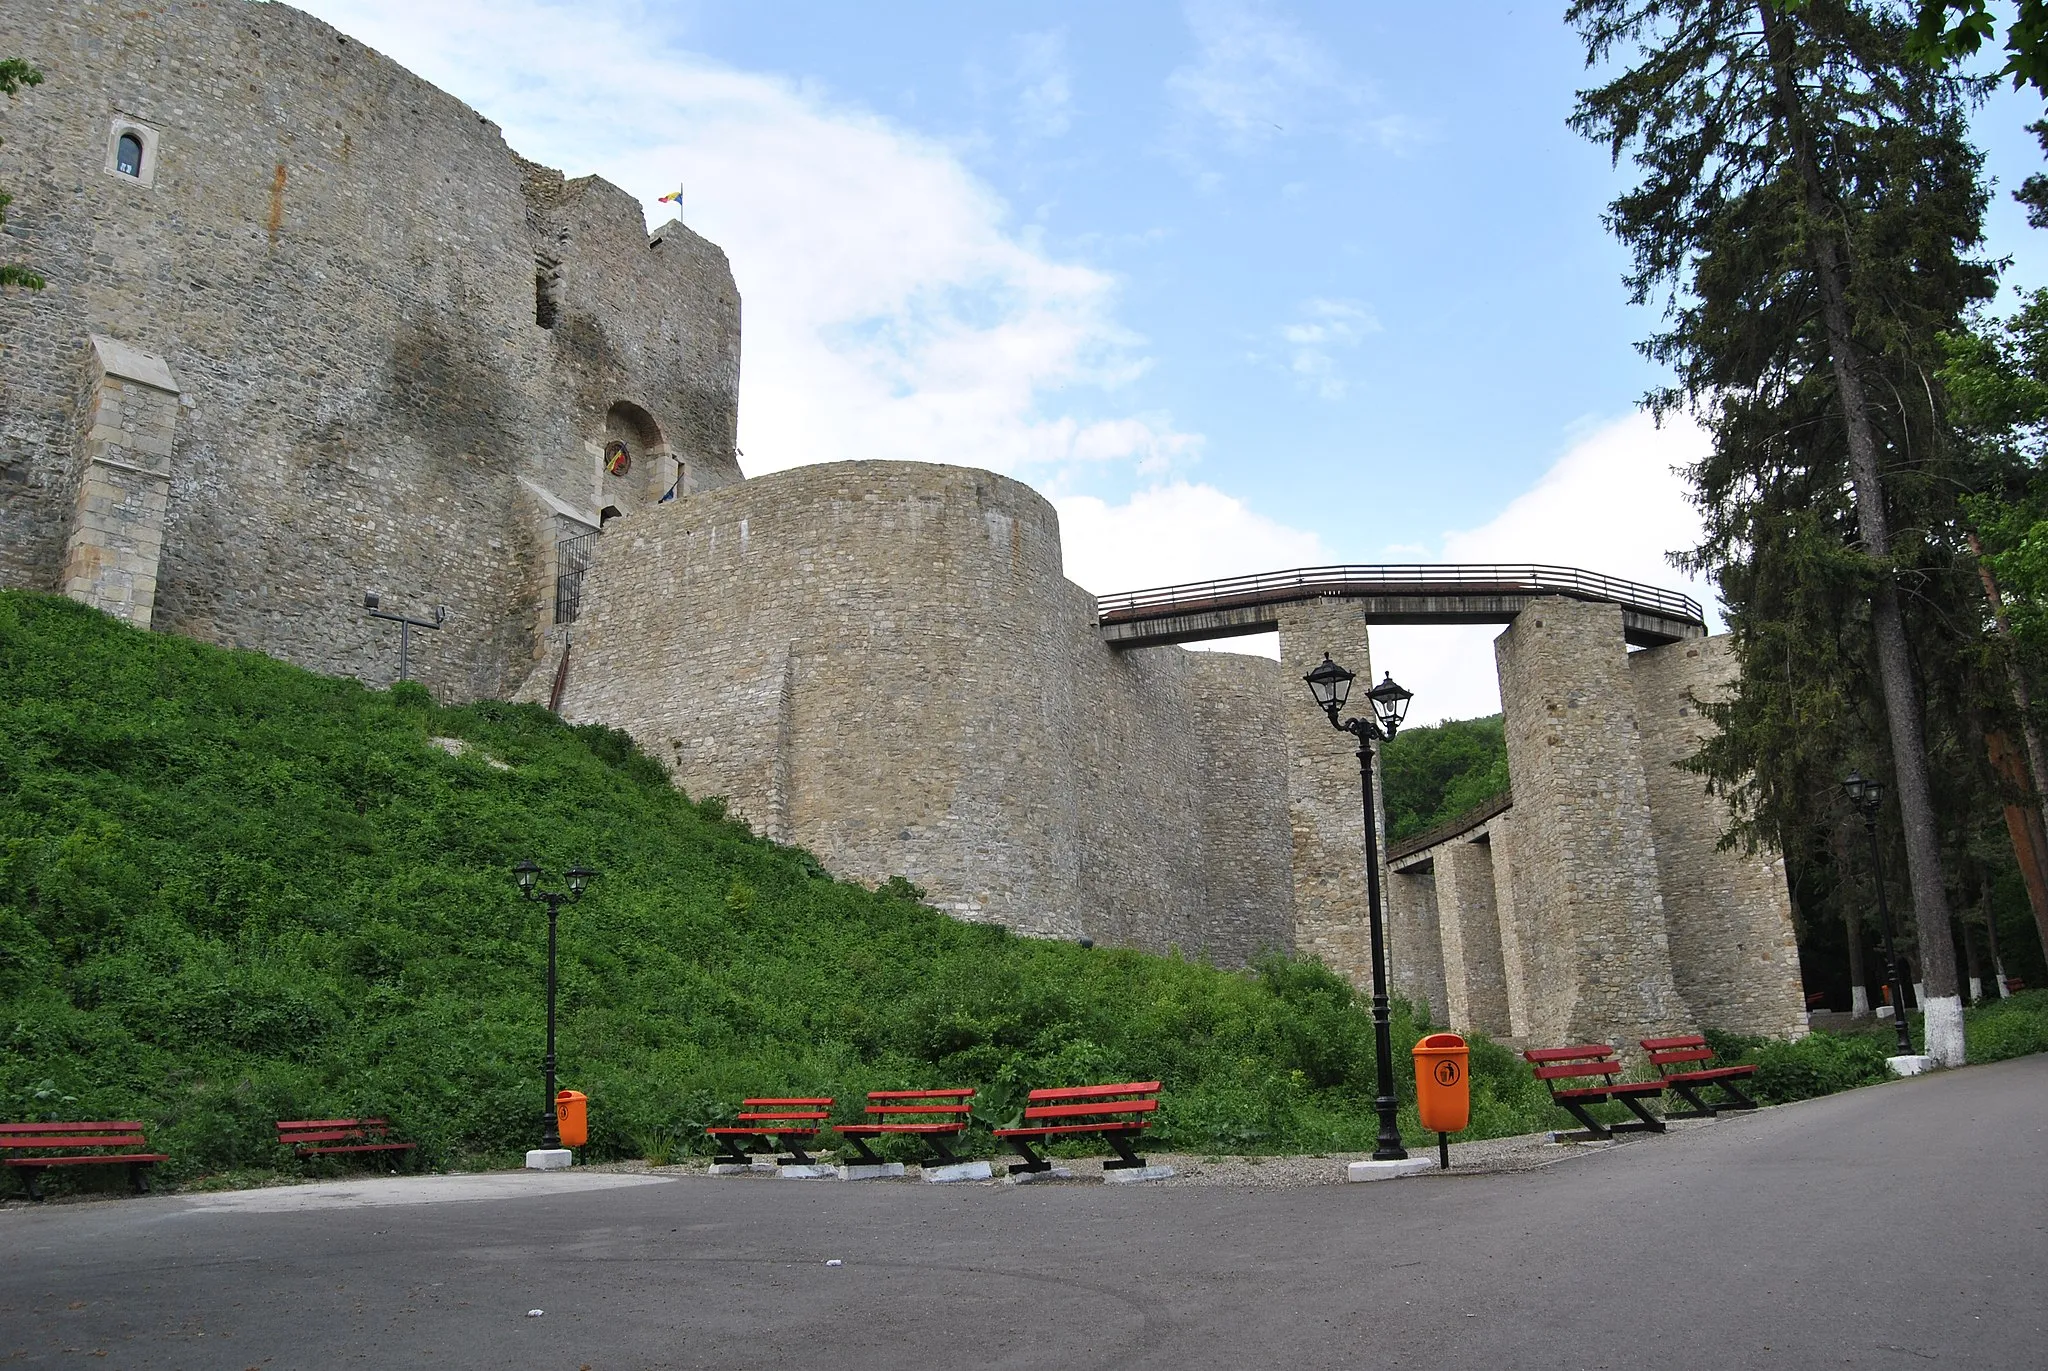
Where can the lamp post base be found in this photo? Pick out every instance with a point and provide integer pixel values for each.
(1911, 1064)
(1387, 1171)
(549, 1159)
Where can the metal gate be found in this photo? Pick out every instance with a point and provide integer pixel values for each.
(573, 557)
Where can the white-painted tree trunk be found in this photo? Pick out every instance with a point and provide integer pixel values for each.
(1976, 989)
(1859, 1002)
(1943, 1022)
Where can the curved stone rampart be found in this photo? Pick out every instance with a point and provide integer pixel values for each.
(882, 662)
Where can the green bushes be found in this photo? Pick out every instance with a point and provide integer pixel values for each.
(232, 892)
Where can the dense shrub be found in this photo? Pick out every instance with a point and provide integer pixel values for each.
(232, 891)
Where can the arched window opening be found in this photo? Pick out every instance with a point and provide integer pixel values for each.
(128, 155)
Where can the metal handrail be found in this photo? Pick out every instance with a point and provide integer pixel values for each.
(1400, 580)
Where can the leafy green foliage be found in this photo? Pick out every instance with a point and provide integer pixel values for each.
(15, 74)
(1947, 31)
(1432, 775)
(232, 892)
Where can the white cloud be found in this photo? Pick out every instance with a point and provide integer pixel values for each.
(1045, 85)
(1258, 74)
(1612, 504)
(1325, 325)
(892, 307)
(1175, 532)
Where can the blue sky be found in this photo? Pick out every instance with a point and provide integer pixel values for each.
(1239, 285)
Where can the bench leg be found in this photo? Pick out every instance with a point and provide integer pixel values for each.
(1032, 1161)
(1125, 1157)
(734, 1151)
(1736, 1099)
(797, 1155)
(1594, 1126)
(860, 1149)
(942, 1153)
(138, 1176)
(1700, 1108)
(28, 1181)
(1650, 1123)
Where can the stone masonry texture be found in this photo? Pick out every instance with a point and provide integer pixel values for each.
(1588, 911)
(1734, 957)
(1475, 987)
(1325, 814)
(881, 662)
(339, 263)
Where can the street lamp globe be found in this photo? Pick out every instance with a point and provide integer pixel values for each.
(1331, 685)
(578, 877)
(1390, 703)
(527, 873)
(1865, 794)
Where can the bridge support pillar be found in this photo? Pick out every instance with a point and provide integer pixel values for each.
(1588, 914)
(1323, 803)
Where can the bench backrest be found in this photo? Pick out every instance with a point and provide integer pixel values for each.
(1093, 1104)
(75, 1137)
(1561, 1063)
(333, 1130)
(780, 1109)
(921, 1106)
(1677, 1051)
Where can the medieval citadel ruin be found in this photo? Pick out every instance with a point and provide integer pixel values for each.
(311, 328)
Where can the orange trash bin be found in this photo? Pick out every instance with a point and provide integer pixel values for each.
(1443, 1088)
(572, 1119)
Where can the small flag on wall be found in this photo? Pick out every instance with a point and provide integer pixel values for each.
(675, 198)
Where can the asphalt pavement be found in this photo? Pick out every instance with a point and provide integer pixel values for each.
(1897, 1226)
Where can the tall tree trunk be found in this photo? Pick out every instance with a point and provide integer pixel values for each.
(1852, 928)
(2037, 757)
(1944, 1008)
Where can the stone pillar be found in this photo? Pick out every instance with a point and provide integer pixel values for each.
(129, 420)
(1475, 990)
(1589, 917)
(1728, 914)
(1502, 837)
(1415, 961)
(1323, 801)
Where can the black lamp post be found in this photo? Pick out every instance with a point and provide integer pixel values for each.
(529, 875)
(1867, 796)
(1331, 685)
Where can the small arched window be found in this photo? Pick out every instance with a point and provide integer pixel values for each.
(128, 155)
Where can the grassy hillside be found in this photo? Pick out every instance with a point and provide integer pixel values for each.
(232, 891)
(1435, 774)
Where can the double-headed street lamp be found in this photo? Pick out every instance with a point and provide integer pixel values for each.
(529, 875)
(406, 624)
(1331, 685)
(1867, 796)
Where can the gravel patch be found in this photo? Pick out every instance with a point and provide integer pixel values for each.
(1487, 1157)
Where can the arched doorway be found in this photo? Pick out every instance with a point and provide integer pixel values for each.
(636, 465)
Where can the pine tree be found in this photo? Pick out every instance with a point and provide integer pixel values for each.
(1808, 205)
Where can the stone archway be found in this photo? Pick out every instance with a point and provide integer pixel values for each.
(636, 465)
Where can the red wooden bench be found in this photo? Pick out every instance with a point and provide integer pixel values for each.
(319, 1137)
(935, 1117)
(78, 1144)
(1114, 1113)
(1554, 1064)
(773, 1123)
(1666, 1053)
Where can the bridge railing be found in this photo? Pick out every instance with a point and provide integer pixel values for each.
(1401, 580)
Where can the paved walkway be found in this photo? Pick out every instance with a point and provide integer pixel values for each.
(1901, 1225)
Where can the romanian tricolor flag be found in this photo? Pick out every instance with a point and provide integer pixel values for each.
(674, 199)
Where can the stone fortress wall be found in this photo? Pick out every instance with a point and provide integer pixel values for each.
(300, 352)
(329, 334)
